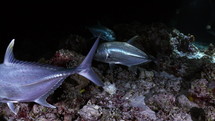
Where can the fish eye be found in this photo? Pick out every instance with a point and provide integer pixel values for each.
(108, 56)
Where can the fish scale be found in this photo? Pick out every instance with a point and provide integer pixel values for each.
(22, 81)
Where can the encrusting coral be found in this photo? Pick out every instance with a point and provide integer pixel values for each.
(178, 86)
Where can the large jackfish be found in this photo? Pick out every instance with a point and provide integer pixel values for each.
(22, 81)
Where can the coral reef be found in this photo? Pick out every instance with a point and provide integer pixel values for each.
(178, 86)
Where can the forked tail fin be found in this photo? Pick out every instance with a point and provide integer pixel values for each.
(85, 66)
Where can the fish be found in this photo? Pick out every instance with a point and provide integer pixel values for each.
(121, 53)
(102, 31)
(22, 81)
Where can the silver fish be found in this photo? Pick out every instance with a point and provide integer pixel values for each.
(102, 31)
(22, 81)
(120, 53)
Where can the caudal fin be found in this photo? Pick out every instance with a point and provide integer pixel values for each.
(85, 66)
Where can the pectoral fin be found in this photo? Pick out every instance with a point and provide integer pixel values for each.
(12, 107)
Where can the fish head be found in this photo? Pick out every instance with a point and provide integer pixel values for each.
(101, 54)
(105, 53)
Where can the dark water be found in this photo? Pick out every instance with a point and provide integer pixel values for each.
(38, 28)
(196, 17)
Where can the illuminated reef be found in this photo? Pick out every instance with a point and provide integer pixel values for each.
(180, 85)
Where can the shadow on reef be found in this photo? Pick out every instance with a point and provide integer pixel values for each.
(197, 114)
(2, 118)
(178, 86)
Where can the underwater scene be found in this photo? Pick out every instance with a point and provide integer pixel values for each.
(149, 61)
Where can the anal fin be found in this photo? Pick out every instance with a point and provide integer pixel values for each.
(12, 108)
(42, 99)
(43, 102)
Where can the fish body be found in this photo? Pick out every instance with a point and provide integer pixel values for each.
(22, 81)
(120, 53)
(102, 31)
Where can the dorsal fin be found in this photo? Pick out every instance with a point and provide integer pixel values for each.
(9, 57)
(130, 41)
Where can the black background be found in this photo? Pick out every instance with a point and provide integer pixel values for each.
(38, 27)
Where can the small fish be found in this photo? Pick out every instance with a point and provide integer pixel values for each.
(22, 81)
(120, 53)
(102, 31)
